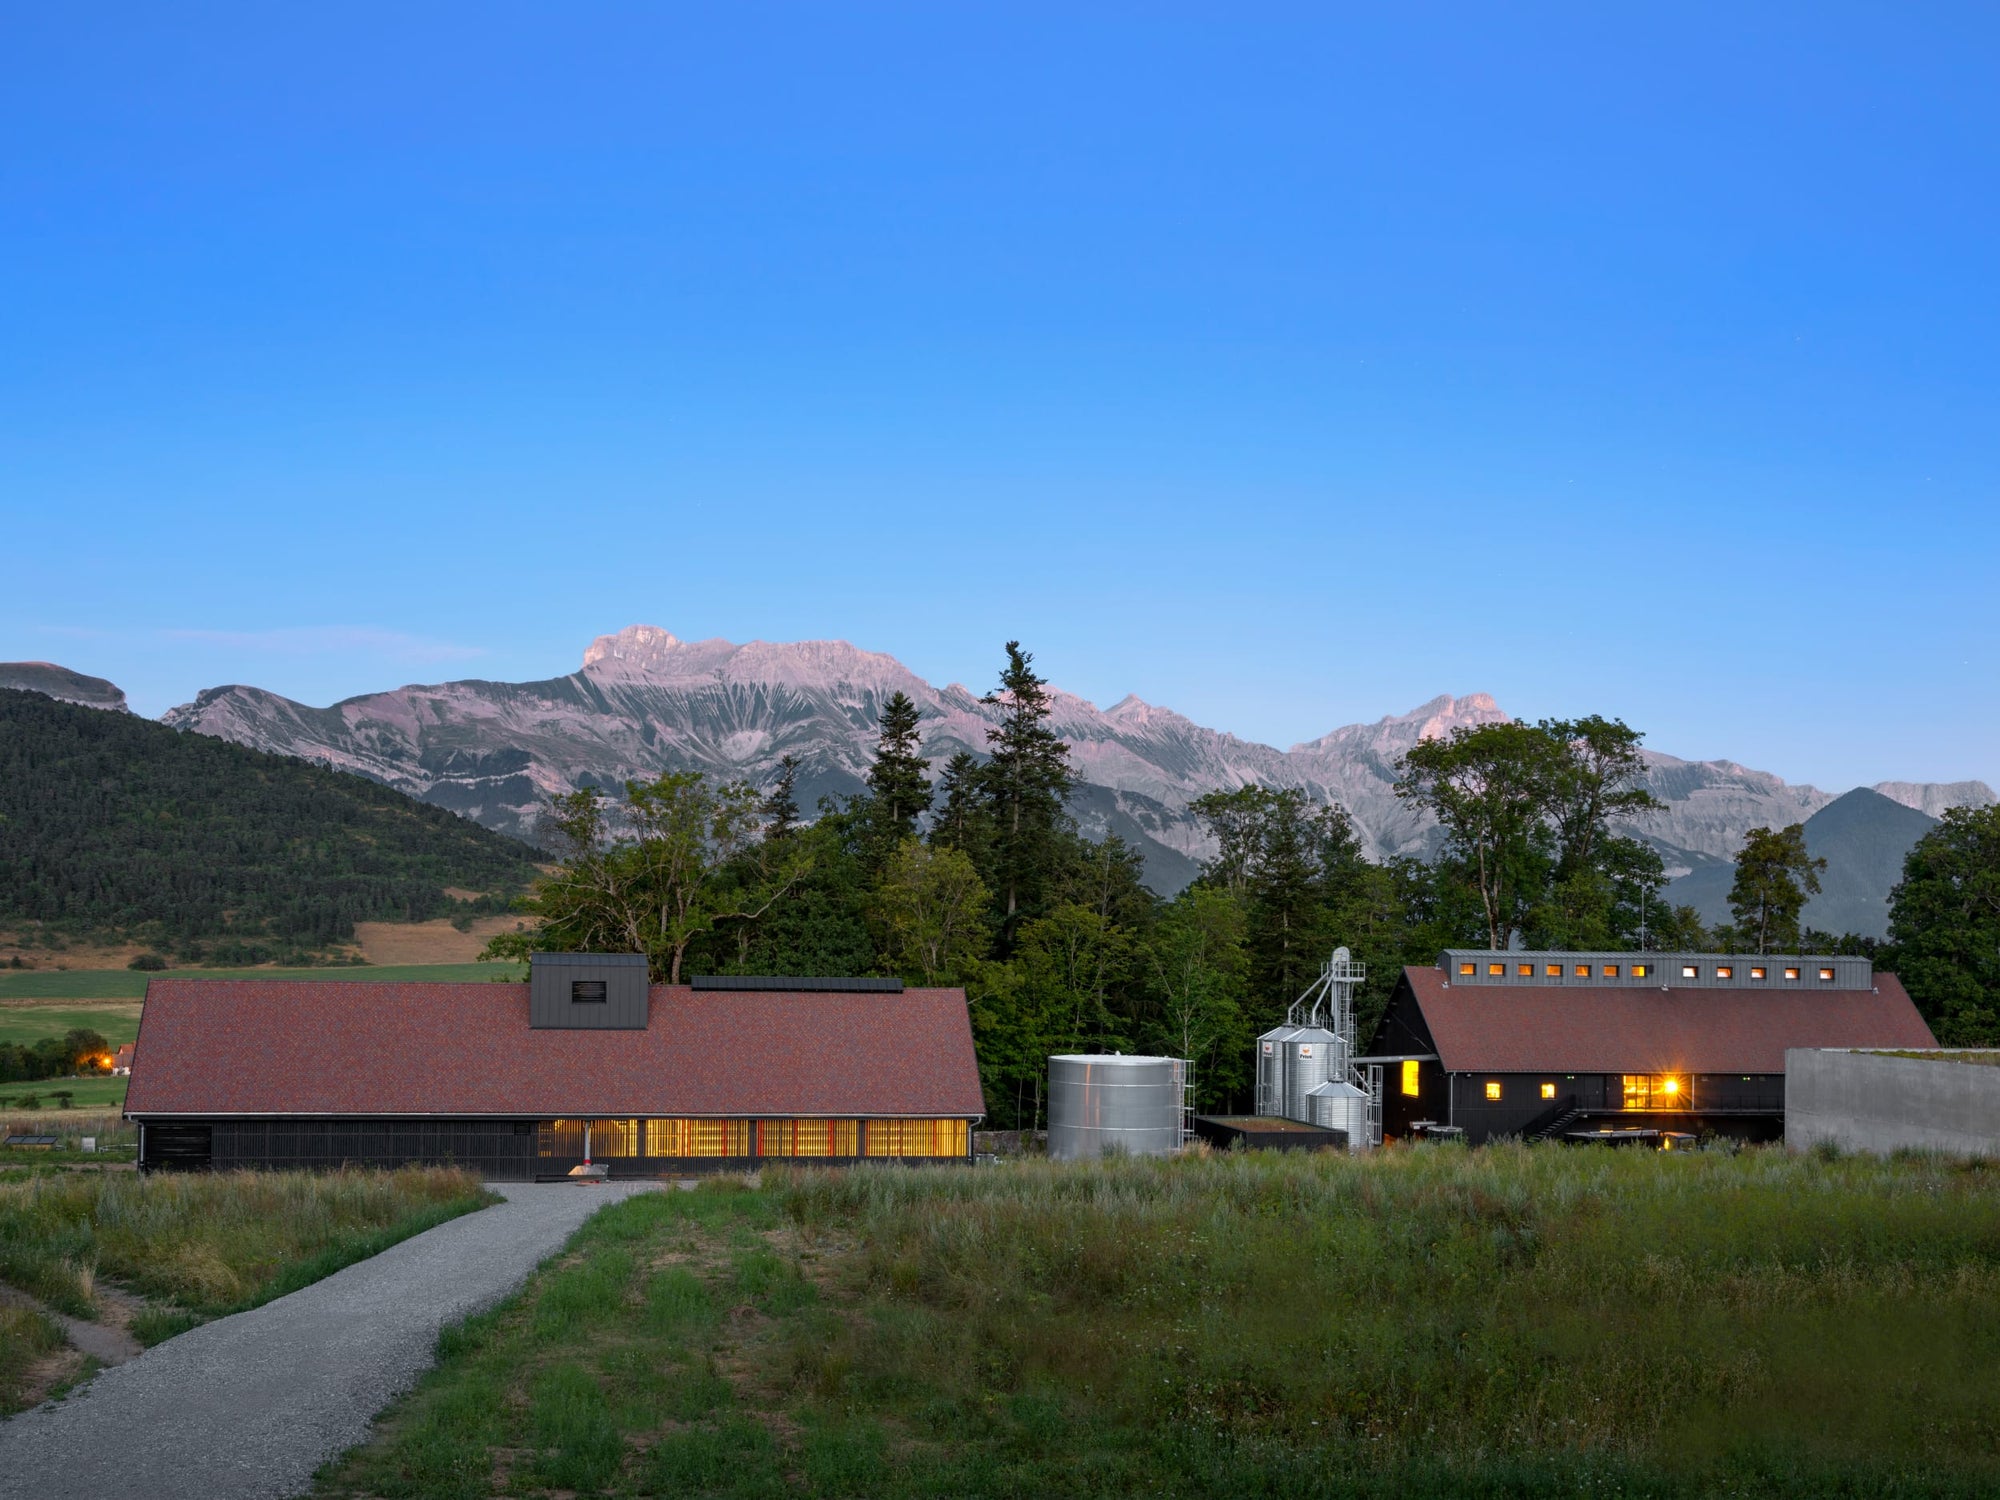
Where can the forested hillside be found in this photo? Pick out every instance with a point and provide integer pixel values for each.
(112, 825)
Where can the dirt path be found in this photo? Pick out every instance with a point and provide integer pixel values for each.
(247, 1407)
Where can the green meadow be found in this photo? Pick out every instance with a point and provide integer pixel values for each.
(1514, 1321)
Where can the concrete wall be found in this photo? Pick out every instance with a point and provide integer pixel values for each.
(1862, 1101)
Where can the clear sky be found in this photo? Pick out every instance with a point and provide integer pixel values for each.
(1286, 366)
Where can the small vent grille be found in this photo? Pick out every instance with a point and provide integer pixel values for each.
(588, 992)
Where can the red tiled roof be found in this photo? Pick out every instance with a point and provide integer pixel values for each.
(1622, 1029)
(334, 1047)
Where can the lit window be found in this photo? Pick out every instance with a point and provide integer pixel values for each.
(1724, 971)
(1689, 971)
(1638, 971)
(1756, 971)
(1826, 973)
(1496, 968)
(1671, 1087)
(1638, 1091)
(1493, 1088)
(1553, 971)
(1467, 969)
(1583, 971)
(1410, 1079)
(1548, 1091)
(1791, 973)
(1611, 971)
(1525, 969)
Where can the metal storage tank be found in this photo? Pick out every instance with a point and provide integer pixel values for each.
(1307, 1063)
(1100, 1104)
(1271, 1069)
(1342, 1106)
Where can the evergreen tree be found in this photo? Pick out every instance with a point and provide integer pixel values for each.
(899, 782)
(1027, 782)
(1774, 875)
(780, 806)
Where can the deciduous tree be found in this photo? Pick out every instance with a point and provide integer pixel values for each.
(1944, 927)
(1774, 875)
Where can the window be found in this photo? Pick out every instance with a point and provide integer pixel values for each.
(1526, 969)
(1756, 971)
(587, 992)
(1689, 971)
(1724, 971)
(1411, 1073)
(1553, 971)
(1826, 973)
(1467, 969)
(915, 1137)
(1639, 971)
(1496, 968)
(1583, 971)
(1610, 971)
(608, 1139)
(808, 1138)
(1650, 1091)
(1791, 973)
(1548, 1091)
(1493, 1088)
(698, 1138)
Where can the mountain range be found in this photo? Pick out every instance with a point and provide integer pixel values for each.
(644, 701)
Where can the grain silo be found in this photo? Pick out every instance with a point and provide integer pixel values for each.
(1112, 1104)
(1305, 1067)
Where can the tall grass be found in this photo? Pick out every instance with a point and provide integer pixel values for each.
(26, 1336)
(211, 1243)
(1439, 1305)
(1428, 1322)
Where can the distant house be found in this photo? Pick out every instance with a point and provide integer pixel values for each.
(520, 1081)
(121, 1060)
(1568, 1044)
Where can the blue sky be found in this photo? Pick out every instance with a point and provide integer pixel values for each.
(1287, 366)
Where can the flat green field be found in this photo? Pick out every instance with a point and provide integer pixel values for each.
(85, 1093)
(1422, 1322)
(24, 1024)
(130, 984)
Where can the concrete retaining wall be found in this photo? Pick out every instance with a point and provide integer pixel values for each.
(1862, 1101)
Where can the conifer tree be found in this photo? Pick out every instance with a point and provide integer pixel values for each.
(780, 807)
(1028, 781)
(899, 782)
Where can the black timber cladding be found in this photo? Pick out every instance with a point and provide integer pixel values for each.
(587, 991)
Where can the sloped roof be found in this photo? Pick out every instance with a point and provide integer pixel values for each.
(335, 1047)
(1619, 1029)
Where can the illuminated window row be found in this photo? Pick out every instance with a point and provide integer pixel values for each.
(1493, 1090)
(614, 1140)
(1641, 1091)
(1556, 970)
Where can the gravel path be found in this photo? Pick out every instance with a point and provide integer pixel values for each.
(247, 1407)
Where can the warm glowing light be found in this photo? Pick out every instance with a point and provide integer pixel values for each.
(1671, 1086)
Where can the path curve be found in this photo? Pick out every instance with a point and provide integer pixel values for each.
(247, 1407)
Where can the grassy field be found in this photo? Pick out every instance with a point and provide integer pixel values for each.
(130, 984)
(1426, 1322)
(100, 1093)
(200, 1245)
(25, 1022)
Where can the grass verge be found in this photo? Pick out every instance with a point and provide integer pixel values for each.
(201, 1245)
(130, 984)
(1422, 1322)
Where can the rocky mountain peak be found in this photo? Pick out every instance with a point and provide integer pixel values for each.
(63, 685)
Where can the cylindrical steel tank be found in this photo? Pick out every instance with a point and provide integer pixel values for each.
(1271, 1069)
(1100, 1105)
(1338, 1105)
(1307, 1056)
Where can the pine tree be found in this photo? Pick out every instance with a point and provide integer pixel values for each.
(1028, 781)
(899, 783)
(964, 821)
(780, 807)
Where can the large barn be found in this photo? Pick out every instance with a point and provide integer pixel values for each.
(512, 1079)
(1564, 1044)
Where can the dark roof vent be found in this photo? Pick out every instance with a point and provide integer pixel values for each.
(796, 984)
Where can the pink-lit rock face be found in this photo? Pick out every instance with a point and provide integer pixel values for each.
(645, 701)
